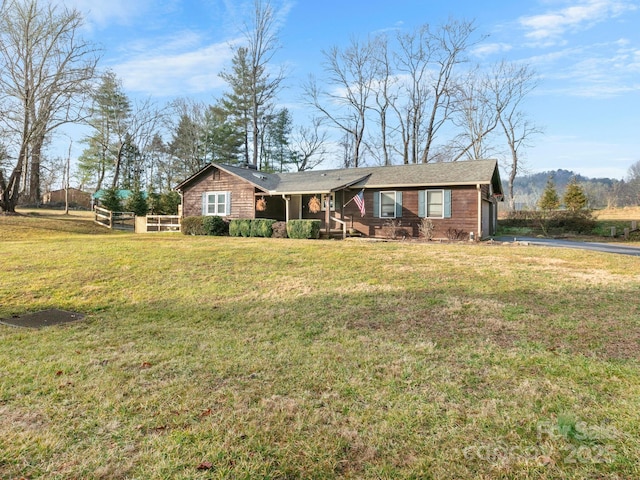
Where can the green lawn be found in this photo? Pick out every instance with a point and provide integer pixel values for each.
(205, 357)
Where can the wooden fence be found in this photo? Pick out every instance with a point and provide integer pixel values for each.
(115, 220)
(159, 223)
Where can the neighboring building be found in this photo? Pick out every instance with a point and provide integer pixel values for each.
(77, 198)
(459, 197)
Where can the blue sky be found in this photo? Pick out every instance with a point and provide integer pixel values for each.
(586, 52)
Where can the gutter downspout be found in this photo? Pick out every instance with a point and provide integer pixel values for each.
(480, 233)
(286, 208)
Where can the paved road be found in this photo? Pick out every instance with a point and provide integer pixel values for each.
(598, 247)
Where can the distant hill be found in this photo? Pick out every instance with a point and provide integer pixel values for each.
(528, 189)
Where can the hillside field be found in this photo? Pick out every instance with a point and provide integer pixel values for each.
(215, 358)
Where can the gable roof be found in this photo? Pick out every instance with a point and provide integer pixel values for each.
(470, 172)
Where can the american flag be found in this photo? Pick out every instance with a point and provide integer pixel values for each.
(359, 199)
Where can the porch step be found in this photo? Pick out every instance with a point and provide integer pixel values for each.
(334, 234)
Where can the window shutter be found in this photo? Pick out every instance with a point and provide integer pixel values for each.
(421, 204)
(376, 204)
(204, 203)
(228, 206)
(398, 204)
(447, 203)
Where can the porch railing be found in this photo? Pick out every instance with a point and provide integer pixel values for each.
(343, 224)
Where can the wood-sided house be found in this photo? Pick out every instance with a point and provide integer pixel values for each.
(458, 197)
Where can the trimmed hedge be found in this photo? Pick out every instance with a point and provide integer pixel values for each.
(240, 228)
(257, 227)
(192, 225)
(262, 227)
(204, 225)
(215, 226)
(303, 228)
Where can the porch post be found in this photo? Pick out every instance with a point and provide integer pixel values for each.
(327, 211)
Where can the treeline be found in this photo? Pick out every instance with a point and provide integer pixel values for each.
(412, 97)
(599, 192)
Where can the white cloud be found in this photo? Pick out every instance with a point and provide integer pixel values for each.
(175, 74)
(103, 13)
(550, 27)
(488, 49)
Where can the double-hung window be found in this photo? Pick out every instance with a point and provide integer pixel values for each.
(434, 203)
(216, 203)
(387, 204)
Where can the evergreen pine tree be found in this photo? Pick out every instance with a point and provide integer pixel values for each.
(549, 199)
(137, 203)
(111, 200)
(574, 197)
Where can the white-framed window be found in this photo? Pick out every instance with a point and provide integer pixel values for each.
(387, 204)
(434, 203)
(216, 203)
(332, 202)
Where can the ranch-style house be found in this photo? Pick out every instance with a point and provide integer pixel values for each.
(460, 198)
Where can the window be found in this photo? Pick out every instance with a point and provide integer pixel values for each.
(387, 204)
(333, 202)
(434, 203)
(216, 203)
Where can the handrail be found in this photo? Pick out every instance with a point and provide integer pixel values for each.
(344, 226)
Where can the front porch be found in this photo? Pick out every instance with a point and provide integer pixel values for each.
(326, 207)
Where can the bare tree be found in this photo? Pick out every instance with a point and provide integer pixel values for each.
(352, 73)
(476, 114)
(447, 46)
(384, 96)
(44, 80)
(186, 142)
(511, 83)
(259, 83)
(308, 145)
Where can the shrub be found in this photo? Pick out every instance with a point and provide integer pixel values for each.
(279, 230)
(240, 228)
(580, 221)
(303, 228)
(426, 228)
(163, 204)
(137, 203)
(262, 227)
(111, 200)
(216, 226)
(192, 225)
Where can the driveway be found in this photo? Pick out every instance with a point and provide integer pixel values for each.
(552, 242)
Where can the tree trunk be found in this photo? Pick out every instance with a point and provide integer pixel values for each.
(34, 173)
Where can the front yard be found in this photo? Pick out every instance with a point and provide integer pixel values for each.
(217, 357)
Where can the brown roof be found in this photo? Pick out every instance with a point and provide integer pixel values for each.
(471, 172)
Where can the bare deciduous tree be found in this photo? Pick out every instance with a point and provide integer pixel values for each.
(352, 73)
(308, 145)
(45, 77)
(511, 83)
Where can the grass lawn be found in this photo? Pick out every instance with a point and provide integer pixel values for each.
(205, 357)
